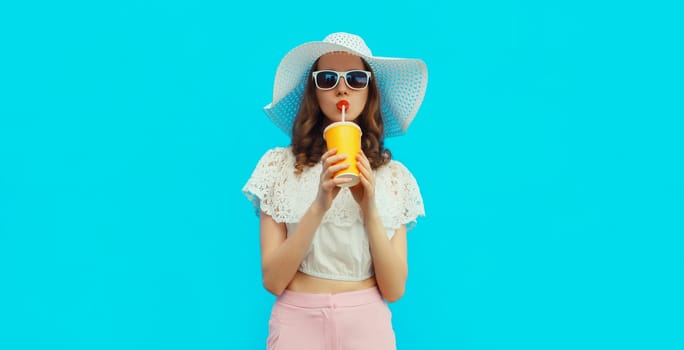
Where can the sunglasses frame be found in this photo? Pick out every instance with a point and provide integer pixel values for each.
(341, 74)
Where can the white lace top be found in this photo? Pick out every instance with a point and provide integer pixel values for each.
(340, 249)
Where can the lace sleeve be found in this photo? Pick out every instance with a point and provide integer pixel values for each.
(260, 187)
(401, 202)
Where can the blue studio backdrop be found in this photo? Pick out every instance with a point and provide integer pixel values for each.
(548, 150)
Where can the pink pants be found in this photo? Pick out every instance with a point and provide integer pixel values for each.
(356, 320)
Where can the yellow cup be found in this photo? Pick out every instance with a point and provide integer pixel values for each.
(346, 137)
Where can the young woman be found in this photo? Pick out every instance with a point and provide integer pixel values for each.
(333, 254)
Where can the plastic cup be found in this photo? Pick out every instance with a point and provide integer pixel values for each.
(346, 137)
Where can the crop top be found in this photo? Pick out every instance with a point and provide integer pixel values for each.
(339, 249)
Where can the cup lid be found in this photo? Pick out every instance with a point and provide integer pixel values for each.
(341, 123)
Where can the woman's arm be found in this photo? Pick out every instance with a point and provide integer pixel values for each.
(389, 258)
(280, 254)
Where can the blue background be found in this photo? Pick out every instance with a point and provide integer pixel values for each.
(548, 150)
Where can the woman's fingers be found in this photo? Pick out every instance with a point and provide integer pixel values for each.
(333, 165)
(365, 175)
(361, 158)
(337, 167)
(327, 185)
(364, 166)
(329, 153)
(341, 180)
(335, 159)
(367, 178)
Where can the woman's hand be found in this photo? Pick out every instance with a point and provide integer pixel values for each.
(364, 191)
(328, 187)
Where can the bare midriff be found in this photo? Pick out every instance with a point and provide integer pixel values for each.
(304, 283)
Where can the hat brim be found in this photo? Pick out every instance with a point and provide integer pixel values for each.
(402, 83)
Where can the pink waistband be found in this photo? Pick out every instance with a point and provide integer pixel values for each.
(347, 299)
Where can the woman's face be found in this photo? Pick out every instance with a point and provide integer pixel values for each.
(327, 99)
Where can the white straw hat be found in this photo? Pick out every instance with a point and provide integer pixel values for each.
(401, 81)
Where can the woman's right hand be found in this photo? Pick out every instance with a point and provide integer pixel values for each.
(328, 187)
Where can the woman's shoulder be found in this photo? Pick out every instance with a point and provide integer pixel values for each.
(395, 164)
(394, 175)
(276, 156)
(394, 168)
(273, 162)
(398, 196)
(278, 152)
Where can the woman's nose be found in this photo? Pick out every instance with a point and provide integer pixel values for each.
(342, 87)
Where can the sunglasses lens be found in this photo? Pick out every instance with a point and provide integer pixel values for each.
(357, 79)
(326, 79)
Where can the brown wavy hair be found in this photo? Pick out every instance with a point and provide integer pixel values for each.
(308, 144)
